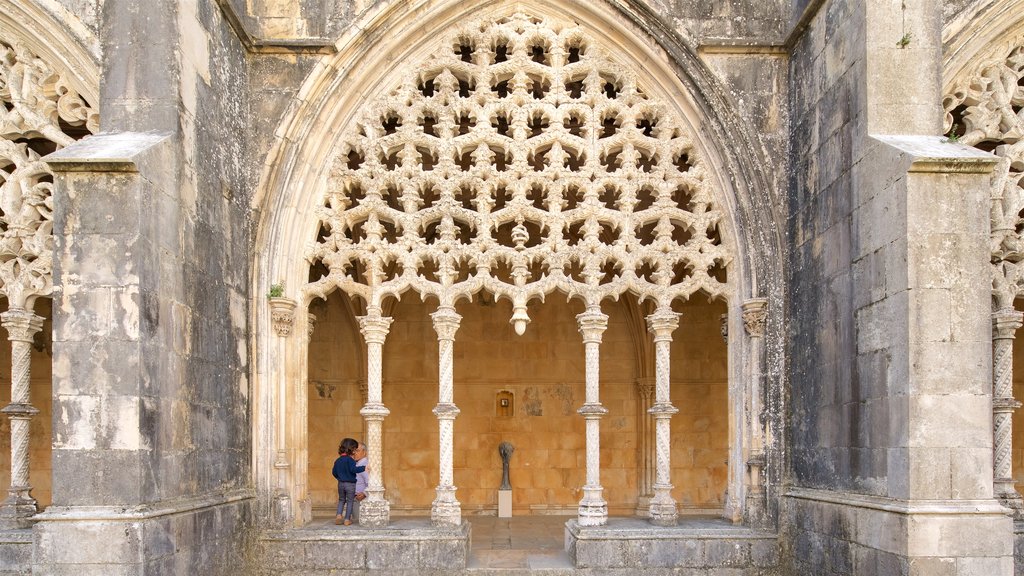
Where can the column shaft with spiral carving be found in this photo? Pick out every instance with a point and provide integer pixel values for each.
(1005, 323)
(375, 511)
(22, 326)
(446, 510)
(661, 324)
(593, 509)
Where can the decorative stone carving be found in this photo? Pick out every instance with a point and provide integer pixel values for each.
(982, 111)
(1005, 323)
(661, 324)
(282, 315)
(518, 160)
(19, 506)
(446, 510)
(375, 510)
(593, 508)
(754, 316)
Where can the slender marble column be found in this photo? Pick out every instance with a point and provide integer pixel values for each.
(753, 322)
(19, 507)
(593, 509)
(445, 510)
(645, 438)
(663, 507)
(374, 511)
(1005, 323)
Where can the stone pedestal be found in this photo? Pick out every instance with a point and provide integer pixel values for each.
(504, 503)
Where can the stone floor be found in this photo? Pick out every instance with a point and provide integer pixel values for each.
(525, 542)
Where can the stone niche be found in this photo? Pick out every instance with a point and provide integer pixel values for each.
(544, 370)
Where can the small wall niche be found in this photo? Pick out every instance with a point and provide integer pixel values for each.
(505, 404)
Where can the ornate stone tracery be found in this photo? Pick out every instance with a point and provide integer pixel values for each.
(520, 160)
(41, 113)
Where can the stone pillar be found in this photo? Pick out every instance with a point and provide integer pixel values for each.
(19, 507)
(661, 324)
(753, 322)
(445, 510)
(593, 509)
(282, 319)
(1005, 323)
(374, 511)
(645, 440)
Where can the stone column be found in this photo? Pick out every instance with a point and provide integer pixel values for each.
(1005, 323)
(661, 324)
(282, 319)
(374, 511)
(645, 433)
(445, 510)
(593, 509)
(20, 506)
(753, 322)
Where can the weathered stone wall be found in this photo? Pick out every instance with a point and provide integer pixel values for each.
(890, 352)
(150, 337)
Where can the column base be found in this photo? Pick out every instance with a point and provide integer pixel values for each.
(593, 512)
(663, 510)
(374, 513)
(1012, 500)
(18, 509)
(445, 510)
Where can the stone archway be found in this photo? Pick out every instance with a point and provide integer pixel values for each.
(667, 210)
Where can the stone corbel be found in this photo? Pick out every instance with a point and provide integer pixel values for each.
(754, 316)
(282, 315)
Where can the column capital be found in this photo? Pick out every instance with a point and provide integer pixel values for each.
(282, 315)
(21, 324)
(724, 327)
(662, 410)
(592, 410)
(662, 322)
(446, 322)
(374, 412)
(374, 327)
(592, 324)
(1005, 322)
(754, 316)
(446, 411)
(645, 386)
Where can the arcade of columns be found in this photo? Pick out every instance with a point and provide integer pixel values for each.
(519, 162)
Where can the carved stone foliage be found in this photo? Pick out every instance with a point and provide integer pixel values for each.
(41, 113)
(985, 111)
(520, 159)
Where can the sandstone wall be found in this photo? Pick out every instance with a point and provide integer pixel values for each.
(544, 371)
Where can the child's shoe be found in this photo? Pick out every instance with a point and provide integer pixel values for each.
(348, 522)
(337, 520)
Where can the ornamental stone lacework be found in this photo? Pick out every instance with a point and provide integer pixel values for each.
(520, 160)
(41, 113)
(984, 110)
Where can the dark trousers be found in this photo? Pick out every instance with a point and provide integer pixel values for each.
(346, 498)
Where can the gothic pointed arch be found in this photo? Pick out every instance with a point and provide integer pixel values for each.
(626, 181)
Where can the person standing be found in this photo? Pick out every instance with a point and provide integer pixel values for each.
(362, 478)
(344, 471)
